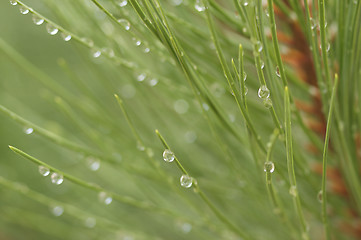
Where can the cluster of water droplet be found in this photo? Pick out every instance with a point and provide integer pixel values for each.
(56, 178)
(264, 94)
(66, 36)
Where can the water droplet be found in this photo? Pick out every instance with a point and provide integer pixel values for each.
(244, 2)
(146, 50)
(245, 90)
(57, 178)
(244, 76)
(266, 12)
(186, 181)
(141, 77)
(140, 146)
(122, 3)
(278, 73)
(313, 23)
(319, 196)
(199, 6)
(105, 198)
(93, 163)
(125, 23)
(128, 91)
(177, 2)
(23, 10)
(263, 92)
(88, 42)
(137, 42)
(44, 171)
(37, 20)
(13, 2)
(65, 36)
(190, 136)
(181, 106)
(262, 64)
(149, 152)
(109, 52)
(168, 155)
(258, 46)
(28, 130)
(293, 191)
(96, 53)
(90, 222)
(186, 227)
(57, 211)
(267, 103)
(205, 106)
(269, 167)
(277, 211)
(51, 29)
(328, 47)
(153, 82)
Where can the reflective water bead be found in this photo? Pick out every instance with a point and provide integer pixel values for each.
(65, 36)
(245, 90)
(278, 73)
(199, 6)
(88, 41)
(51, 29)
(263, 92)
(96, 53)
(149, 152)
(141, 77)
(37, 20)
(267, 103)
(313, 23)
(57, 178)
(125, 23)
(140, 146)
(177, 2)
(244, 76)
(13, 2)
(205, 106)
(122, 3)
(146, 50)
(105, 198)
(186, 181)
(181, 106)
(136, 41)
(44, 171)
(153, 82)
(319, 196)
(109, 52)
(93, 163)
(244, 2)
(269, 167)
(262, 65)
(23, 10)
(293, 191)
(90, 222)
(57, 211)
(190, 136)
(168, 155)
(328, 47)
(28, 130)
(258, 46)
(186, 227)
